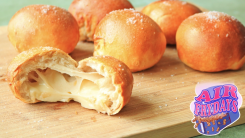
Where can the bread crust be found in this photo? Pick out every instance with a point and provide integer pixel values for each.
(43, 25)
(169, 14)
(131, 37)
(46, 57)
(89, 13)
(211, 42)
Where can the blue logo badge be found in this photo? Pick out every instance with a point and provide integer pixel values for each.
(215, 107)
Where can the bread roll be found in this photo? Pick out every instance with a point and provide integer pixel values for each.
(131, 37)
(169, 14)
(48, 74)
(43, 25)
(88, 14)
(211, 42)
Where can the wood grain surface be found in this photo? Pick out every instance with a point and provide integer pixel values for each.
(159, 106)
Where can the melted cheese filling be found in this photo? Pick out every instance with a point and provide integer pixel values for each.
(91, 89)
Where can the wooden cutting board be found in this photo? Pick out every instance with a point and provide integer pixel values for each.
(159, 106)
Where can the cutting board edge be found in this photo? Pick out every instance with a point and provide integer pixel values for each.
(177, 130)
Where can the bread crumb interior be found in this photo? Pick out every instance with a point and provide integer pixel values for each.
(91, 89)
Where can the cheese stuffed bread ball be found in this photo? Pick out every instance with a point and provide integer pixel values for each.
(169, 14)
(88, 14)
(211, 42)
(43, 25)
(131, 37)
(48, 74)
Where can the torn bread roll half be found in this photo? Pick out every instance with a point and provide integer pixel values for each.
(48, 74)
(88, 14)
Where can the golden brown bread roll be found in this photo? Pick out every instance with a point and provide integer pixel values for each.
(48, 74)
(169, 14)
(43, 25)
(211, 42)
(131, 37)
(88, 14)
